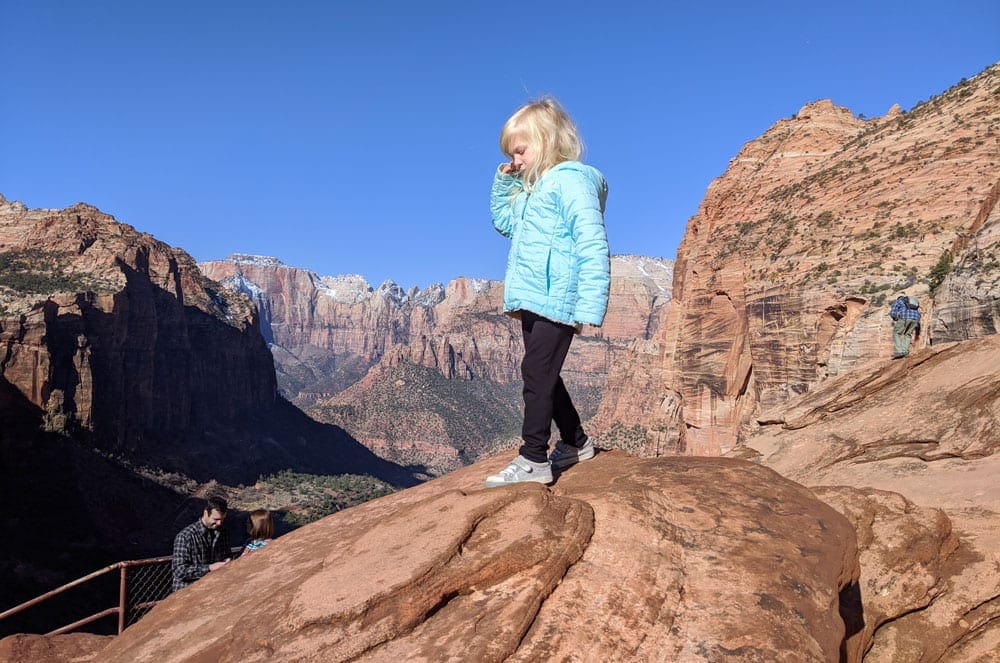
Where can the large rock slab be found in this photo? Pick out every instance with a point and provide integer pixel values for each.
(926, 428)
(683, 559)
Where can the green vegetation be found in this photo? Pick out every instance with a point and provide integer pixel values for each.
(870, 287)
(939, 271)
(825, 219)
(627, 438)
(414, 403)
(309, 497)
(904, 231)
(33, 271)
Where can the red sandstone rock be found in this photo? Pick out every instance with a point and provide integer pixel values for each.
(928, 428)
(341, 346)
(138, 347)
(457, 330)
(623, 559)
(785, 274)
(69, 648)
(126, 346)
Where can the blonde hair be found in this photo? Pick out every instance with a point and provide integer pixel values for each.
(260, 526)
(546, 127)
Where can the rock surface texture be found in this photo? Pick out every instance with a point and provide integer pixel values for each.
(683, 559)
(69, 648)
(786, 272)
(928, 429)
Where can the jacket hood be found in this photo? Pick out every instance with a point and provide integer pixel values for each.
(595, 175)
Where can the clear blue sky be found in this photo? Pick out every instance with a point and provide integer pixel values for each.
(361, 137)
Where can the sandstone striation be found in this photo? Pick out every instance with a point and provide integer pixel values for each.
(785, 274)
(622, 559)
(928, 429)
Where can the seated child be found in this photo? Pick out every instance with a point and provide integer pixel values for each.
(260, 527)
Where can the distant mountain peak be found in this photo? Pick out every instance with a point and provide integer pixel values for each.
(251, 259)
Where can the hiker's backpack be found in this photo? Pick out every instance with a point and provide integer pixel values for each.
(912, 303)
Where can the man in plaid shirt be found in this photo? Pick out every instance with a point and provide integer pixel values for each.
(202, 546)
(906, 322)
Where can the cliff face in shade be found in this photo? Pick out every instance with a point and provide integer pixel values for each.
(122, 343)
(139, 349)
(785, 275)
(355, 355)
(968, 300)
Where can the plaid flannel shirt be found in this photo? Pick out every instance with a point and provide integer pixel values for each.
(900, 311)
(195, 547)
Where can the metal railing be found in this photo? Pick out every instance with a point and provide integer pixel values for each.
(142, 583)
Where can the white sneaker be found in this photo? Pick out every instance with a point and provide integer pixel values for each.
(520, 470)
(565, 454)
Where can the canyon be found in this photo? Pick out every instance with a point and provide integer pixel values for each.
(770, 485)
(428, 378)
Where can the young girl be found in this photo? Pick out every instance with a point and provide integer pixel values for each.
(260, 527)
(551, 207)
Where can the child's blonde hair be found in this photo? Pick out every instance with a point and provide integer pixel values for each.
(549, 129)
(260, 525)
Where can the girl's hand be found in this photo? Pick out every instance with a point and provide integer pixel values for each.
(507, 168)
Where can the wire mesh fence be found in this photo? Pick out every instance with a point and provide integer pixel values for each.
(141, 585)
(146, 583)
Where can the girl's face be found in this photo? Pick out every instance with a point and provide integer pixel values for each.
(522, 153)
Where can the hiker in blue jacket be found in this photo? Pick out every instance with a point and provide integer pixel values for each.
(558, 276)
(905, 313)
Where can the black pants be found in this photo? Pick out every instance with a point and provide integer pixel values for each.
(545, 397)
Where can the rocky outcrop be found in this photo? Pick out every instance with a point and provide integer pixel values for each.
(646, 559)
(967, 304)
(123, 344)
(785, 274)
(622, 559)
(353, 354)
(138, 348)
(926, 428)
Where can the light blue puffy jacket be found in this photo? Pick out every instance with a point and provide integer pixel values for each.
(559, 265)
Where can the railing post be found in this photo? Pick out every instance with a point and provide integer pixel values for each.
(121, 600)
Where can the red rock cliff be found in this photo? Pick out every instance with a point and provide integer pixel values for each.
(427, 377)
(123, 343)
(786, 272)
(343, 326)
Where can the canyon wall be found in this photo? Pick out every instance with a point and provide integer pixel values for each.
(427, 377)
(786, 273)
(124, 345)
(334, 328)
